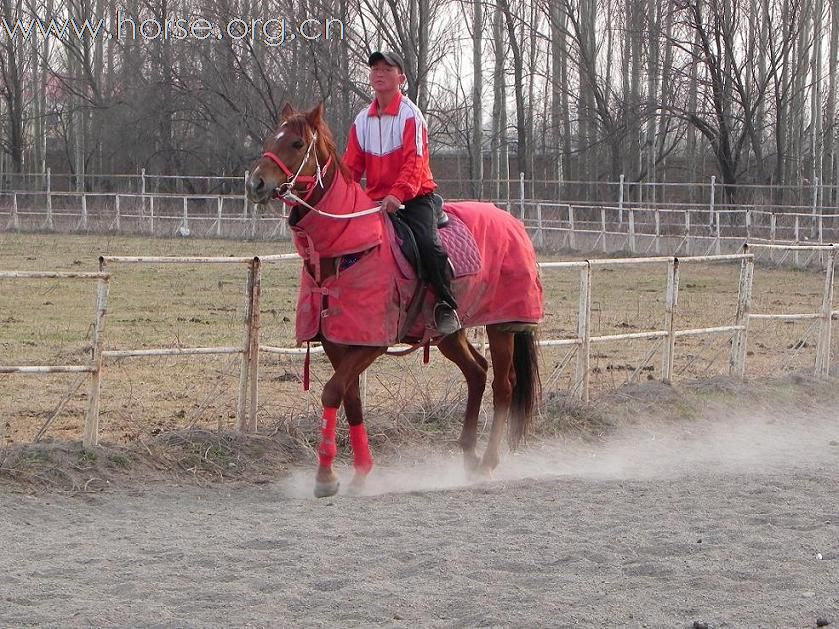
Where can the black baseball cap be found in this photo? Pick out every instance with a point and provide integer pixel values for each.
(390, 58)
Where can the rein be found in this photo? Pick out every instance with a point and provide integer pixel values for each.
(295, 200)
(285, 191)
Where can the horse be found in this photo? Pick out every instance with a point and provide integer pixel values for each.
(359, 295)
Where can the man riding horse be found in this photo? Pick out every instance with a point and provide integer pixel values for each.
(389, 143)
(356, 291)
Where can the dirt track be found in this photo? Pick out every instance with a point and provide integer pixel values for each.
(718, 521)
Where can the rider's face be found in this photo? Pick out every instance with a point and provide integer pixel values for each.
(385, 78)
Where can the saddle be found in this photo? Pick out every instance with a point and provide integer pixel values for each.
(405, 237)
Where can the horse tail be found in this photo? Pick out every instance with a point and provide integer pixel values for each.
(527, 390)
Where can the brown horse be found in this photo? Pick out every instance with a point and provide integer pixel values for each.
(357, 298)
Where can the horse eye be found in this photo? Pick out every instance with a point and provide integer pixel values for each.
(298, 144)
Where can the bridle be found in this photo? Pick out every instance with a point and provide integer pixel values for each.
(285, 191)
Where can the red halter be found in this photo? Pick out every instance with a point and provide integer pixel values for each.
(309, 181)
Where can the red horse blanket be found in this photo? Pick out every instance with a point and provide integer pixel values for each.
(367, 302)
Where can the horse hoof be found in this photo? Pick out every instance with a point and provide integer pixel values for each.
(470, 463)
(357, 485)
(479, 474)
(325, 490)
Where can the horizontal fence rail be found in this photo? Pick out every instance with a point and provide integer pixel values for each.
(644, 231)
(664, 218)
(580, 344)
(94, 368)
(507, 187)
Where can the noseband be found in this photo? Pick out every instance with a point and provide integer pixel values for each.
(285, 191)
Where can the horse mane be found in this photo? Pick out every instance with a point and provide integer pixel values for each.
(298, 123)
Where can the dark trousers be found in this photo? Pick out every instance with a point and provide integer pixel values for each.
(420, 216)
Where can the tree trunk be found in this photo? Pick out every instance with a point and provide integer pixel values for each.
(476, 152)
(653, 73)
(831, 145)
(816, 139)
(518, 73)
(499, 101)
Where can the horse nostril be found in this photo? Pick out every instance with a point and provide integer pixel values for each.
(256, 184)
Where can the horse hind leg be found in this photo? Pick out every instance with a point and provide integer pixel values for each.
(473, 366)
(501, 347)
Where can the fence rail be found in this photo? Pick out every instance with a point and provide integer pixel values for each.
(823, 197)
(644, 230)
(251, 348)
(605, 229)
(94, 368)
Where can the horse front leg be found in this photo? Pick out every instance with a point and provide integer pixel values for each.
(362, 458)
(348, 363)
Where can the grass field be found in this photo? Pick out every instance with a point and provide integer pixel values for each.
(151, 306)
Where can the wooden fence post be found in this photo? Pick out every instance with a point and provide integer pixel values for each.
(581, 389)
(737, 359)
(90, 437)
(671, 300)
(249, 372)
(620, 202)
(151, 216)
(657, 231)
(603, 229)
(244, 372)
(823, 343)
(83, 220)
(253, 354)
(14, 221)
(50, 222)
(219, 216)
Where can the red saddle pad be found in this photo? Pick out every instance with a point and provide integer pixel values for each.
(460, 244)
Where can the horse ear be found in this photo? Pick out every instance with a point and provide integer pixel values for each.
(287, 112)
(315, 117)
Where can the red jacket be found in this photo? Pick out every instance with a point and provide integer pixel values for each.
(391, 148)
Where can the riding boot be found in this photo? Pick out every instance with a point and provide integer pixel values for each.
(420, 215)
(445, 310)
(445, 319)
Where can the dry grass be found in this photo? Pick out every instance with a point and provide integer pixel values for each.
(49, 322)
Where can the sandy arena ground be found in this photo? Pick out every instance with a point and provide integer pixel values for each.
(730, 520)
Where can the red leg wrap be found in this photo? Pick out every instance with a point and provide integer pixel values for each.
(328, 450)
(362, 458)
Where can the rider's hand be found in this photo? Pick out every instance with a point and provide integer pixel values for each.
(390, 204)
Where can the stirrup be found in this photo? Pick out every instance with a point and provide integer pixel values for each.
(446, 320)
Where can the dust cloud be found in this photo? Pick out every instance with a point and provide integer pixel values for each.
(721, 442)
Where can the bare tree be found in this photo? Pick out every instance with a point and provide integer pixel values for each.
(519, 88)
(731, 92)
(476, 146)
(14, 65)
(831, 123)
(498, 138)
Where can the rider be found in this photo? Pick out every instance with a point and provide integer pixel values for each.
(389, 142)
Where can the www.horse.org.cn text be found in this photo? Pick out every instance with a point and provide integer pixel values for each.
(270, 31)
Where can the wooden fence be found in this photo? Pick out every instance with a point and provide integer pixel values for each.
(251, 348)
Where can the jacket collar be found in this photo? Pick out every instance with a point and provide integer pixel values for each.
(391, 110)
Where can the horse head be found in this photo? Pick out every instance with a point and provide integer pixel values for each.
(299, 159)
